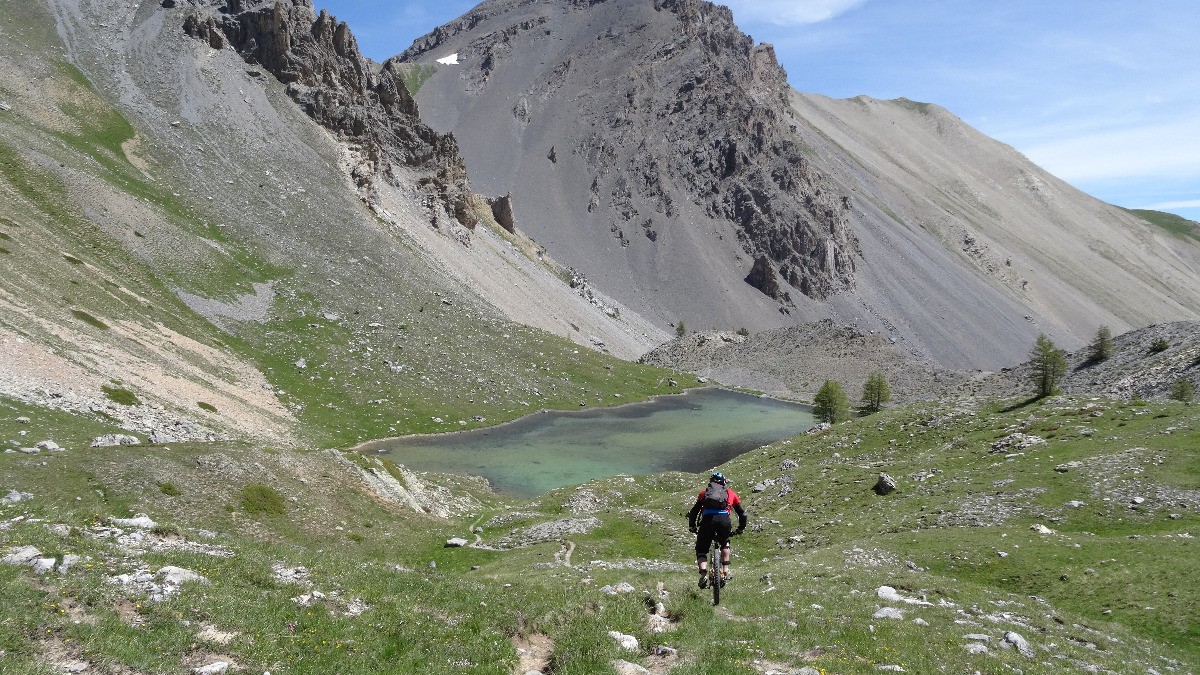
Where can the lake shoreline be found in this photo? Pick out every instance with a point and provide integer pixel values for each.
(363, 447)
(685, 431)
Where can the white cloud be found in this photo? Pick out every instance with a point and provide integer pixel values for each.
(1182, 204)
(790, 12)
(1171, 149)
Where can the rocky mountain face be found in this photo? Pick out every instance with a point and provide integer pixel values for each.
(658, 150)
(318, 60)
(656, 138)
(186, 248)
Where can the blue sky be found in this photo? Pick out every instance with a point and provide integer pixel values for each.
(1102, 93)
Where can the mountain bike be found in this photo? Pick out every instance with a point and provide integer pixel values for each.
(716, 580)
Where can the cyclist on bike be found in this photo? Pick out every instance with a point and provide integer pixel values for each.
(713, 506)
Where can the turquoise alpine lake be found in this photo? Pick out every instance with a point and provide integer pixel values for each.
(695, 431)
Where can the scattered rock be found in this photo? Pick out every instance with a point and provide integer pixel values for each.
(140, 521)
(1063, 468)
(456, 542)
(48, 446)
(212, 669)
(976, 648)
(1017, 441)
(627, 642)
(68, 561)
(14, 497)
(1022, 645)
(109, 440)
(885, 485)
(21, 556)
(890, 594)
(889, 613)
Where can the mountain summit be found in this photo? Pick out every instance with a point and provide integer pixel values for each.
(653, 139)
(658, 150)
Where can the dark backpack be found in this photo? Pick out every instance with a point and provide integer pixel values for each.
(716, 497)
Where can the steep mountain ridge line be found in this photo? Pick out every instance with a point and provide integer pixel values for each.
(319, 61)
(1071, 259)
(963, 250)
(707, 112)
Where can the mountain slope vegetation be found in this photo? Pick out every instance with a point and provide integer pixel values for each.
(210, 286)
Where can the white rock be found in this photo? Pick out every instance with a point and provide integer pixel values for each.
(889, 613)
(179, 575)
(43, 565)
(1022, 645)
(212, 668)
(1041, 529)
(109, 440)
(976, 648)
(21, 556)
(627, 642)
(48, 446)
(456, 542)
(141, 521)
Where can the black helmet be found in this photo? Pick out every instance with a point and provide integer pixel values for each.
(717, 477)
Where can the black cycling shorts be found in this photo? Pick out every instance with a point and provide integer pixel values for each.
(716, 526)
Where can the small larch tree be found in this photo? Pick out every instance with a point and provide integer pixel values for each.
(1048, 364)
(831, 405)
(1101, 348)
(1183, 390)
(875, 392)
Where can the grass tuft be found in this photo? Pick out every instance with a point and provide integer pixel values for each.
(262, 500)
(120, 396)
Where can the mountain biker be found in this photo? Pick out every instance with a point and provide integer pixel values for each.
(713, 506)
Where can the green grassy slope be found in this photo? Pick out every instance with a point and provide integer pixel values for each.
(1109, 588)
(1170, 222)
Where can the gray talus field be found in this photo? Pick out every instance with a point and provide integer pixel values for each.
(660, 151)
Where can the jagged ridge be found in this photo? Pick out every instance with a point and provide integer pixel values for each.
(699, 128)
(318, 59)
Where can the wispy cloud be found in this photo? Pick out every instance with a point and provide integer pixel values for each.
(1181, 204)
(1157, 149)
(790, 12)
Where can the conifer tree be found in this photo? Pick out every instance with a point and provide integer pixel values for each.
(831, 405)
(1183, 390)
(1049, 364)
(1101, 348)
(875, 392)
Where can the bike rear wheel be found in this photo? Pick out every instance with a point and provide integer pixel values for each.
(714, 573)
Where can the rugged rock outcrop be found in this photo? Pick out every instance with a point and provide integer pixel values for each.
(370, 109)
(680, 120)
